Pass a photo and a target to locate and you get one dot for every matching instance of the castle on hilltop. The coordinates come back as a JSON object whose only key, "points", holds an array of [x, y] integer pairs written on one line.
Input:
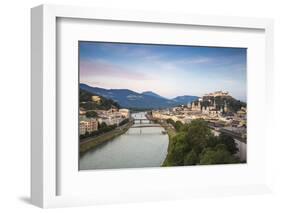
{"points": [[217, 93], [208, 105]]}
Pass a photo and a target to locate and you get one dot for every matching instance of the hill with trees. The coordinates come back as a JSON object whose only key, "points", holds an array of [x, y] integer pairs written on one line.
{"points": [[195, 144], [85, 101]]}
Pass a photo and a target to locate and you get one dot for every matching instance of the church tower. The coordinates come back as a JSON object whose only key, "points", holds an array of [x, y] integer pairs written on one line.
{"points": [[193, 106], [225, 106], [199, 106]]}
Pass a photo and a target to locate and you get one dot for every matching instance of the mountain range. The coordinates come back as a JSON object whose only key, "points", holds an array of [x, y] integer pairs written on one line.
{"points": [[146, 100]]}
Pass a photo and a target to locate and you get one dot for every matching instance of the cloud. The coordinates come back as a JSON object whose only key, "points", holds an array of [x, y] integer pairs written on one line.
{"points": [[195, 60], [99, 67], [168, 71]]}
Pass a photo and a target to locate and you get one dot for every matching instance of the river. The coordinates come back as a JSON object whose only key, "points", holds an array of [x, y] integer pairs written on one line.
{"points": [[137, 148]]}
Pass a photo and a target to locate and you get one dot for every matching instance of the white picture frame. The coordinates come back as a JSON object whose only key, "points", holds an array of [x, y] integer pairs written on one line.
{"points": [[44, 148]]}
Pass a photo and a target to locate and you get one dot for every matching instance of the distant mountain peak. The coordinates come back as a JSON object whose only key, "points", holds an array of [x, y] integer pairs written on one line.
{"points": [[131, 99], [185, 98], [153, 94]]}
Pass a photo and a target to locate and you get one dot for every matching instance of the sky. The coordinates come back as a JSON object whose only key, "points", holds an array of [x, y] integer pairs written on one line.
{"points": [[168, 70]]}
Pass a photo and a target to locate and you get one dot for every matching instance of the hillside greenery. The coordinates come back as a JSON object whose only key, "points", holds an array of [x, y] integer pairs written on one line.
{"points": [[85, 101], [195, 144]]}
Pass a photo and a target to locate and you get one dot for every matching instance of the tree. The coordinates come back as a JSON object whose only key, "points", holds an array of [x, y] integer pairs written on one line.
{"points": [[184, 128], [229, 142], [171, 121], [85, 101], [212, 141], [194, 143], [191, 158], [217, 155], [176, 151], [178, 125], [91, 114], [87, 134], [198, 134], [102, 125]]}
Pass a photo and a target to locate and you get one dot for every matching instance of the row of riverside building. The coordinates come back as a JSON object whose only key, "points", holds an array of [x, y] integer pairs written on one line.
{"points": [[109, 117]]}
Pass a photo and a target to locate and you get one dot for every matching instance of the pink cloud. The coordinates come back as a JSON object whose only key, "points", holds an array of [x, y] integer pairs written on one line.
{"points": [[104, 68]]}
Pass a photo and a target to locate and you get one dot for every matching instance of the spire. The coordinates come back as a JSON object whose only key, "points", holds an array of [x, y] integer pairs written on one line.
{"points": [[225, 106]]}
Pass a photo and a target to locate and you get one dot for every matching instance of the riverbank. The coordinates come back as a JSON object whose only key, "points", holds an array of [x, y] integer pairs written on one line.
{"points": [[139, 147], [171, 132], [90, 143]]}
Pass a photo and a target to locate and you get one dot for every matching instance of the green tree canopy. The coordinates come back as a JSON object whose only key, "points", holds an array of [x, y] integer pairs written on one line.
{"points": [[191, 158], [229, 142], [102, 125], [171, 121], [198, 134], [91, 114], [195, 144], [217, 155], [176, 152], [178, 125]]}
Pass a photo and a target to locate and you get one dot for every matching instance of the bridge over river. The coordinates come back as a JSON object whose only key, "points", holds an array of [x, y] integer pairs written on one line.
{"points": [[139, 123], [143, 145], [146, 123]]}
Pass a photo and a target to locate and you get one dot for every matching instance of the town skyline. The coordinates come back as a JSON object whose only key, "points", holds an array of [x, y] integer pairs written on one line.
{"points": [[167, 70]]}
